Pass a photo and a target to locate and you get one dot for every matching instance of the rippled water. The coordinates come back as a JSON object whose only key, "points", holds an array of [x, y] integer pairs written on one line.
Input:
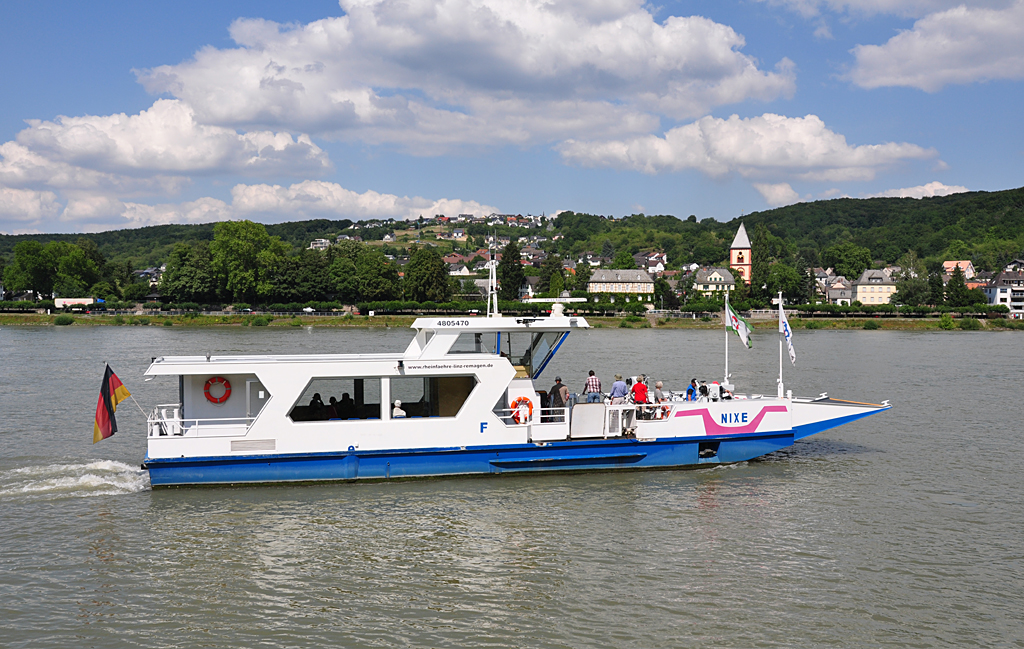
{"points": [[900, 530]]}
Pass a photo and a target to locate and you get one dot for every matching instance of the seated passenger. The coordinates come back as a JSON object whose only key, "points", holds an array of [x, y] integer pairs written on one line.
{"points": [[316, 401], [332, 410], [346, 407], [703, 391], [397, 412]]}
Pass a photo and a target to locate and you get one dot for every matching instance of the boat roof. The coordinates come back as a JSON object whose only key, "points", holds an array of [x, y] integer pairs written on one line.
{"points": [[445, 330]]}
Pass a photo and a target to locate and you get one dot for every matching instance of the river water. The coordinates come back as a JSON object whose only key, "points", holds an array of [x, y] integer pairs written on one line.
{"points": [[902, 530]]}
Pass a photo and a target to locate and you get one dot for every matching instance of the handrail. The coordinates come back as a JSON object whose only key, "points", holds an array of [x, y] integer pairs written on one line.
{"points": [[161, 423]]}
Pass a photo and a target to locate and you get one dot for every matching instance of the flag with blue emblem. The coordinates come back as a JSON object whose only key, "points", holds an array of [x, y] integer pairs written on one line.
{"points": [[785, 330]]}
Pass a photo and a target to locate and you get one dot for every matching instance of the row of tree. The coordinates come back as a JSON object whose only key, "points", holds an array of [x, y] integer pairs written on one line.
{"points": [[69, 270]]}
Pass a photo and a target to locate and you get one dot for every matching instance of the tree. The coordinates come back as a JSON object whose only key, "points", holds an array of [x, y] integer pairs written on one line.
{"points": [[426, 277], [786, 279], [378, 276], [607, 249], [848, 259], [956, 289], [510, 273], [936, 290], [30, 270], [623, 260], [245, 256], [911, 267], [551, 268], [343, 279], [911, 291], [664, 296], [189, 276]]}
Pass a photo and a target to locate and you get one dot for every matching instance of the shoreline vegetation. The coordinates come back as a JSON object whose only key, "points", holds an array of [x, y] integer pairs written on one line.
{"points": [[891, 323]]}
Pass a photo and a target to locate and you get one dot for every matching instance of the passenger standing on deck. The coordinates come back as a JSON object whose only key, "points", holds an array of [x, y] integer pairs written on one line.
{"points": [[618, 393], [559, 396], [593, 388], [639, 390], [659, 396], [691, 390]]}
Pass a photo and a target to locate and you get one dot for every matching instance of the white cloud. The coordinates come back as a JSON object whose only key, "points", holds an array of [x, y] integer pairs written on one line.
{"points": [[866, 8], [261, 202], [931, 189], [166, 138], [21, 205], [769, 145], [778, 194], [317, 199], [426, 74], [957, 46]]}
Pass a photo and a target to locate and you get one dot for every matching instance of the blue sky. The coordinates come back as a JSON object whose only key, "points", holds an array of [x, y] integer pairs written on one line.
{"points": [[119, 114]]}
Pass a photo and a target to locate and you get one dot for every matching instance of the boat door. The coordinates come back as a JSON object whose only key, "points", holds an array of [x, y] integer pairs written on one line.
{"points": [[256, 396]]}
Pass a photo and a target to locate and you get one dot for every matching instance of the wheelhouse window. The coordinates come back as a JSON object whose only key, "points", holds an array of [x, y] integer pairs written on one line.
{"points": [[432, 396], [525, 349], [337, 399]]}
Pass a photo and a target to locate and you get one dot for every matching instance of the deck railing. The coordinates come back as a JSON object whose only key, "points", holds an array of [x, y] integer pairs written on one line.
{"points": [[166, 421]]}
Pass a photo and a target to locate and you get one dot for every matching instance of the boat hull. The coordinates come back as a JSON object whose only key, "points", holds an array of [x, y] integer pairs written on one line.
{"points": [[596, 455]]}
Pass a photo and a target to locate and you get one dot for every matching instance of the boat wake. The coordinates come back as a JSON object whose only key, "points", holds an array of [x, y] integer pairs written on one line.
{"points": [[72, 480]]}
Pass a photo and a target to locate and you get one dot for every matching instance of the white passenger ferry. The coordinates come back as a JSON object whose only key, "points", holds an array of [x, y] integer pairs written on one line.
{"points": [[469, 404]]}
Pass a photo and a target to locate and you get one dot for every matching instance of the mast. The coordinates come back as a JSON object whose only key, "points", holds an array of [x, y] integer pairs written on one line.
{"points": [[781, 336], [725, 321], [492, 284]]}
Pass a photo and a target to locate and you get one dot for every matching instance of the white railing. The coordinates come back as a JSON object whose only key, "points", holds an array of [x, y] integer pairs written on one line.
{"points": [[509, 416], [166, 421]]}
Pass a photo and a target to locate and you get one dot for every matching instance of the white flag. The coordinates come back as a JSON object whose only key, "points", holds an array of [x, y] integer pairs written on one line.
{"points": [[787, 332], [738, 324]]}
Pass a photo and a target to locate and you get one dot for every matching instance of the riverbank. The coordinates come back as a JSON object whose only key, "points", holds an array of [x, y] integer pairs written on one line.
{"points": [[404, 321]]}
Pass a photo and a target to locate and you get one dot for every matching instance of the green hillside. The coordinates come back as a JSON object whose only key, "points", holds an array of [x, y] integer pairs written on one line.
{"points": [[151, 246], [986, 227]]}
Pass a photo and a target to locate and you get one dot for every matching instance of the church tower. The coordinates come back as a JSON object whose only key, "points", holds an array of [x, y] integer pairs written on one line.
{"points": [[739, 254]]}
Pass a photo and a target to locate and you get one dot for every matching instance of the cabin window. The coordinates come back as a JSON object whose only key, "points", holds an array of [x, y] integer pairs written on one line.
{"points": [[475, 343], [432, 396], [338, 398]]}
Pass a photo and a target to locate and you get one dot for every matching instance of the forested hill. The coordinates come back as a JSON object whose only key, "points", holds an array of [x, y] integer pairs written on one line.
{"points": [[987, 227], [152, 245]]}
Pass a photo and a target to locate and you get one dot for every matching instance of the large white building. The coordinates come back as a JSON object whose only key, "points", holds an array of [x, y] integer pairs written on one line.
{"points": [[873, 287], [620, 281]]}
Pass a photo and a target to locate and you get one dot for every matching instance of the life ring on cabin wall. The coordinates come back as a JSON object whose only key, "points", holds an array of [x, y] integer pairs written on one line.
{"points": [[213, 380], [517, 413]]}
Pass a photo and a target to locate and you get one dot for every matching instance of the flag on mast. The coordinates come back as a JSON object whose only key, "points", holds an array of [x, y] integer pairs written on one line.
{"points": [[785, 330], [112, 392], [735, 322]]}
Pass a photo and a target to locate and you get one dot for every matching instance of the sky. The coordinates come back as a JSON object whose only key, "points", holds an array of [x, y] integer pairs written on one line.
{"points": [[127, 114]]}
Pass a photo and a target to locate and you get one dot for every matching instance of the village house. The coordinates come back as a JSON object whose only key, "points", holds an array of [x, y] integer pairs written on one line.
{"points": [[966, 267], [620, 281], [459, 270], [1007, 288], [713, 281], [319, 244], [873, 287]]}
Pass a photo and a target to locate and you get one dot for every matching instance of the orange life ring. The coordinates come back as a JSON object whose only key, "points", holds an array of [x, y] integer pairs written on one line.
{"points": [[517, 413], [213, 380]]}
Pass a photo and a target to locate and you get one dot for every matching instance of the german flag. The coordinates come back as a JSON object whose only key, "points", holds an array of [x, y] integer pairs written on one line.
{"points": [[112, 392]]}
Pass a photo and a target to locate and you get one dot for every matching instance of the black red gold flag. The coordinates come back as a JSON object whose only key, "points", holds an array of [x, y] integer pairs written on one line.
{"points": [[112, 392]]}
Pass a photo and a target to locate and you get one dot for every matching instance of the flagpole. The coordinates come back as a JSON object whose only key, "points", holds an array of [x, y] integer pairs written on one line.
{"points": [[781, 335], [725, 321]]}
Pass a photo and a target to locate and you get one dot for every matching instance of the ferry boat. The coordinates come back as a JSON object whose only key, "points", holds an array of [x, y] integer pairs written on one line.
{"points": [[462, 399]]}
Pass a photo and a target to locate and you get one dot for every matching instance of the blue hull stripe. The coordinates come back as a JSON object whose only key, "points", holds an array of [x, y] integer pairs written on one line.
{"points": [[421, 463]]}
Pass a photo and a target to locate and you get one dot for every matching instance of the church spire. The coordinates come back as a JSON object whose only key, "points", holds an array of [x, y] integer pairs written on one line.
{"points": [[742, 241]]}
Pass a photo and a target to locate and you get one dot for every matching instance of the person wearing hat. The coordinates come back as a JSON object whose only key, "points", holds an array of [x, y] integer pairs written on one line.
{"points": [[397, 413], [619, 391], [558, 395]]}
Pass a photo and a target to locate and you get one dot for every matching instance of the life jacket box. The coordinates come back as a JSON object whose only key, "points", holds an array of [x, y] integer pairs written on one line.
{"points": [[587, 421]]}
